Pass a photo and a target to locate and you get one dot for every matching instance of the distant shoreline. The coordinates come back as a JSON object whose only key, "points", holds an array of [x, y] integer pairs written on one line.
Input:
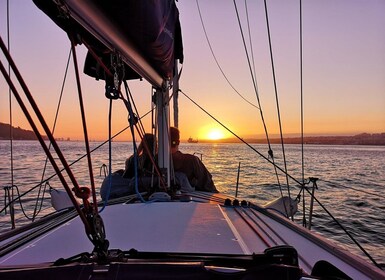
{"points": [[375, 139]]}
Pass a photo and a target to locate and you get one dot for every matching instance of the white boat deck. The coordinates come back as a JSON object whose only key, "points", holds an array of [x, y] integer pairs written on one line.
{"points": [[186, 227]]}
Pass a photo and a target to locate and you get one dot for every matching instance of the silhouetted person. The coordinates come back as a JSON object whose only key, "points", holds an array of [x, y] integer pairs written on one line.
{"points": [[145, 158], [197, 174]]}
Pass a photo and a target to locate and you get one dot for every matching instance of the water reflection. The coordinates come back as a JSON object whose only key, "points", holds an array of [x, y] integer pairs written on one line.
{"points": [[345, 172]]}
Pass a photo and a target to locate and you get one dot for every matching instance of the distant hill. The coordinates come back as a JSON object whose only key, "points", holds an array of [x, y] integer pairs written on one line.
{"points": [[377, 139], [359, 139], [17, 133]]}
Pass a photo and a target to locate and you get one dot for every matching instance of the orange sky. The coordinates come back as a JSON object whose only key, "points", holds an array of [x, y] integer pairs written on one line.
{"points": [[344, 71]]}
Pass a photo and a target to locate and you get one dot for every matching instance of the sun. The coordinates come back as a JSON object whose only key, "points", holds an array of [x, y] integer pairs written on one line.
{"points": [[215, 134]]}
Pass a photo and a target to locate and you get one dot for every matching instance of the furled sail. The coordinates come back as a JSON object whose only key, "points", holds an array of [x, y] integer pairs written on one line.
{"points": [[146, 34]]}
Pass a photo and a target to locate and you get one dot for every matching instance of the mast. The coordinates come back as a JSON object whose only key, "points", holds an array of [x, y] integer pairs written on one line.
{"points": [[163, 112], [175, 93]]}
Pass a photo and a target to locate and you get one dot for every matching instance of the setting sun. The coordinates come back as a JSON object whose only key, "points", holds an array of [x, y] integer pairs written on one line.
{"points": [[215, 134], [212, 132]]}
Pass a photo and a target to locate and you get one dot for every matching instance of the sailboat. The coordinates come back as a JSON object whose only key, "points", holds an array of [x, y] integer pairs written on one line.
{"points": [[161, 233]]}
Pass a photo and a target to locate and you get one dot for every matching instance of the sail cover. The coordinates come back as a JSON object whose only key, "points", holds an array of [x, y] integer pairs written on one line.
{"points": [[146, 34]]}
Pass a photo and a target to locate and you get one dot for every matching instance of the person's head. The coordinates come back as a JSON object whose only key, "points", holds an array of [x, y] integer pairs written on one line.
{"points": [[148, 140], [175, 137]]}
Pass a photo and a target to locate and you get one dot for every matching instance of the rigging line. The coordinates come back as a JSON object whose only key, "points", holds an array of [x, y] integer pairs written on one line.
{"points": [[76, 161], [250, 41], [258, 100], [240, 139], [10, 110], [276, 96], [271, 162], [109, 158], [142, 133], [341, 226], [345, 230], [251, 72], [53, 131], [85, 131], [301, 78], [302, 116], [132, 125], [37, 132], [130, 97], [216, 60]]}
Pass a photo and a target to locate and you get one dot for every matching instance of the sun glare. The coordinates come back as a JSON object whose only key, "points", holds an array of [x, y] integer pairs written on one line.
{"points": [[215, 134]]}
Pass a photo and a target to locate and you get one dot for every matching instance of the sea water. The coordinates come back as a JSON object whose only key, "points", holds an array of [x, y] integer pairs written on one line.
{"points": [[350, 186]]}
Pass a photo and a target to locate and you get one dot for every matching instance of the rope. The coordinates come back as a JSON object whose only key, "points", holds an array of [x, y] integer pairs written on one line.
{"points": [[43, 124], [85, 131], [216, 60]]}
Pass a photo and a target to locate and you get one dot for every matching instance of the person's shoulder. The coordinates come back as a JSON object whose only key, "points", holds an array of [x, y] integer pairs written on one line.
{"points": [[184, 156]]}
